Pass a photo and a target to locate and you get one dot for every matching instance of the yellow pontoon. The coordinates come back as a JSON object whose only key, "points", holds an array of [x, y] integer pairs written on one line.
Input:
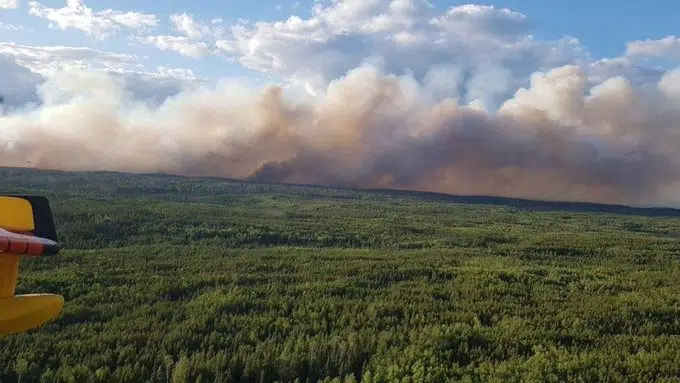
{"points": [[26, 229]]}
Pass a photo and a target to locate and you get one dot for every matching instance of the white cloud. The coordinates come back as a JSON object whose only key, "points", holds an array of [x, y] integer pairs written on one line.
{"points": [[482, 53], [492, 47], [9, 4], [24, 67], [485, 52], [180, 44], [186, 24], [193, 42], [77, 15], [473, 21], [668, 47], [49, 60], [626, 67], [180, 73], [14, 27]]}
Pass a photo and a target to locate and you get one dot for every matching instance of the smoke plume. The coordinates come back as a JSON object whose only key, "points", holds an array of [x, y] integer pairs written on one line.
{"points": [[558, 139]]}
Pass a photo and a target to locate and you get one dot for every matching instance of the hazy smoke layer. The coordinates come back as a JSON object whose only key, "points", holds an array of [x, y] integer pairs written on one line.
{"points": [[556, 140]]}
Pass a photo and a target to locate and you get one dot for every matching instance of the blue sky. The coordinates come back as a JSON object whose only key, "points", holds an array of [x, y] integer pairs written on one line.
{"points": [[230, 11], [604, 25], [282, 52]]}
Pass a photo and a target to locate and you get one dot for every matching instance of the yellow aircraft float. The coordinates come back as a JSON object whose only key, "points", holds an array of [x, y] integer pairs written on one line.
{"points": [[26, 229]]}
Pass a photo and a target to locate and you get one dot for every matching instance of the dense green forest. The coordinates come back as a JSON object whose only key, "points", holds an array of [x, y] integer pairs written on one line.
{"points": [[171, 279]]}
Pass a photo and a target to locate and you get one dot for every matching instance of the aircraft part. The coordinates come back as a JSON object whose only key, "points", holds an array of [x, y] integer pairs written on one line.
{"points": [[26, 229]]}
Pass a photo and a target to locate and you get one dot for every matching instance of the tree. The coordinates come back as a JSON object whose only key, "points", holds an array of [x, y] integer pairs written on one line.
{"points": [[180, 374], [20, 367], [167, 360]]}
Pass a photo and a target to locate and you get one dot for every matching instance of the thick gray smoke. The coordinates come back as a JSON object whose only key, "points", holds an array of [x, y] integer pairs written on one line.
{"points": [[558, 139]]}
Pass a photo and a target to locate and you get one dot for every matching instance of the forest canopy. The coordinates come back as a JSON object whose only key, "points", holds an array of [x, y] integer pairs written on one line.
{"points": [[179, 279]]}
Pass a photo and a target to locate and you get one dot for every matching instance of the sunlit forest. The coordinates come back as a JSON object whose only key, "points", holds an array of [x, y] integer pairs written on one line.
{"points": [[171, 279]]}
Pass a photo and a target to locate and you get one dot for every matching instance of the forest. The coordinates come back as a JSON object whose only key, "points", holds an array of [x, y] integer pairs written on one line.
{"points": [[176, 279]]}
